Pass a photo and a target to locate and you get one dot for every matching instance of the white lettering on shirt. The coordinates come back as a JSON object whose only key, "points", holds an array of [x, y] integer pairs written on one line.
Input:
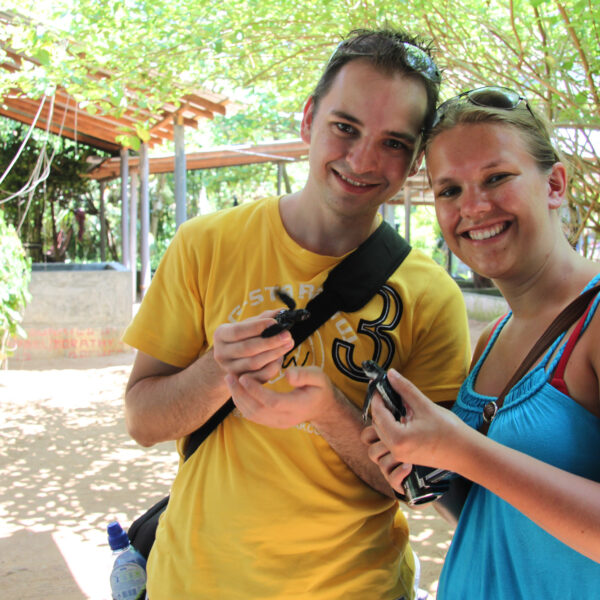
{"points": [[345, 329]]}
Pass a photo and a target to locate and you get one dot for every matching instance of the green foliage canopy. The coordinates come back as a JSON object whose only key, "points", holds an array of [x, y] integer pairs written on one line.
{"points": [[272, 50], [547, 47]]}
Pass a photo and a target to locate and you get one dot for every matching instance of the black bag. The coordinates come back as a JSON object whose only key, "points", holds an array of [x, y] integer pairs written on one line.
{"points": [[143, 530], [450, 505], [348, 287]]}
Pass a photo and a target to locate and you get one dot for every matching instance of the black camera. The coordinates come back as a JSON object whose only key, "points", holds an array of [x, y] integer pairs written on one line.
{"points": [[423, 484]]}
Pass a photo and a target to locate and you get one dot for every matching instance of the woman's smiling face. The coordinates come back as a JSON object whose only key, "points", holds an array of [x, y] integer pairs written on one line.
{"points": [[491, 198]]}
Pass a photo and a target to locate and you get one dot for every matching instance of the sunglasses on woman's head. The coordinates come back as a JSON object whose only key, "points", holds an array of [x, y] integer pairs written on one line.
{"points": [[488, 97]]}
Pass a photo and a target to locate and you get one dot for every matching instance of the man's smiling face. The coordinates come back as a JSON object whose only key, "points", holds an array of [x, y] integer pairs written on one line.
{"points": [[363, 138]]}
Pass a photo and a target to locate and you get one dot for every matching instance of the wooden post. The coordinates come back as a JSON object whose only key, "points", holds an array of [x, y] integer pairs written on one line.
{"points": [[102, 222], [144, 219], [286, 179], [407, 207], [279, 178], [133, 234], [125, 245], [180, 171]]}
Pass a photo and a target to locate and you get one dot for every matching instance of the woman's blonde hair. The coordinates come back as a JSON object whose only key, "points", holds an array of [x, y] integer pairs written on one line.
{"points": [[534, 128]]}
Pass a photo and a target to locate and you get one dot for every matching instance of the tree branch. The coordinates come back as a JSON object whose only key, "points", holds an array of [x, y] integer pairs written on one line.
{"points": [[516, 33], [582, 55]]}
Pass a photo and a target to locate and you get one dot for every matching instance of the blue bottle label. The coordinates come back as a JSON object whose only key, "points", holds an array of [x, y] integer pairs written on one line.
{"points": [[128, 581]]}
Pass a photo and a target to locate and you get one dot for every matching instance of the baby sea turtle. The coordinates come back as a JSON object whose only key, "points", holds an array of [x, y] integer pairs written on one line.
{"points": [[379, 381], [286, 318]]}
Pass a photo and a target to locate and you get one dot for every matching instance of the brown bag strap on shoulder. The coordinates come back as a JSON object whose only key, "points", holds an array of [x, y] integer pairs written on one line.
{"points": [[563, 321], [450, 505]]}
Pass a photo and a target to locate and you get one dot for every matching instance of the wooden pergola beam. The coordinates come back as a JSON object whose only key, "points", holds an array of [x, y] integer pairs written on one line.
{"points": [[93, 141], [212, 158]]}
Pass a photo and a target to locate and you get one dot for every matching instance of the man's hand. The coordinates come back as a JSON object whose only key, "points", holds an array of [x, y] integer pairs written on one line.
{"points": [[313, 399], [164, 402], [239, 347], [311, 392]]}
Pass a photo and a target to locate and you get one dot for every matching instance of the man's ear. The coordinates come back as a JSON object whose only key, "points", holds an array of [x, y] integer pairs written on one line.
{"points": [[414, 168], [307, 119], [557, 185]]}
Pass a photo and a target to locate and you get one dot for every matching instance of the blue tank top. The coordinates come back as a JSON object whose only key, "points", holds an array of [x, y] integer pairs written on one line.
{"points": [[497, 553]]}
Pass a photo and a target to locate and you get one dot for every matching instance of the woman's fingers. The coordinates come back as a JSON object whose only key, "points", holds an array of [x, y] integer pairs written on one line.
{"points": [[393, 470]]}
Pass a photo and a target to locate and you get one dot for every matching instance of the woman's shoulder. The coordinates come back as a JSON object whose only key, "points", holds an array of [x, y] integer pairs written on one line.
{"points": [[484, 338]]}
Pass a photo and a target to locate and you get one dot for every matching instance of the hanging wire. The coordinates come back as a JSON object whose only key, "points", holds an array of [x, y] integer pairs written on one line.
{"points": [[24, 143], [37, 175], [43, 159], [33, 179]]}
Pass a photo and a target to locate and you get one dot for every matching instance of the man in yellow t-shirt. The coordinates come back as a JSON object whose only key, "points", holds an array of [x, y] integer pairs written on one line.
{"points": [[281, 500]]}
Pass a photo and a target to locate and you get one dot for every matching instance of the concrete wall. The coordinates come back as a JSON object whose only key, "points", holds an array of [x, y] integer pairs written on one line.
{"points": [[484, 307], [81, 310], [75, 311]]}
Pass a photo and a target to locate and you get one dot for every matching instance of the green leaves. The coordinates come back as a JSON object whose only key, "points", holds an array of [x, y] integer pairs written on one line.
{"points": [[43, 56], [128, 140], [15, 273], [271, 53]]}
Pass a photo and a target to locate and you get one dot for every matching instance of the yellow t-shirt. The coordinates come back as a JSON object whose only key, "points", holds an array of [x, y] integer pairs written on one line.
{"points": [[261, 513]]}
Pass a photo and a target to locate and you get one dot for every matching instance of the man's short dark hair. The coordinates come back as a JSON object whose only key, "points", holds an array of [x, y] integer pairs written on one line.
{"points": [[387, 50]]}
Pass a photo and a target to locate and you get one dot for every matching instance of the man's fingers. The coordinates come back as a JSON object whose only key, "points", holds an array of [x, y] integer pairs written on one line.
{"points": [[269, 361], [230, 333], [252, 354], [306, 377], [369, 435]]}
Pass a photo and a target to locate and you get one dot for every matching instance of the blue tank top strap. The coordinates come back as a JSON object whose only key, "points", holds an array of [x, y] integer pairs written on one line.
{"points": [[499, 325], [550, 352], [590, 285]]}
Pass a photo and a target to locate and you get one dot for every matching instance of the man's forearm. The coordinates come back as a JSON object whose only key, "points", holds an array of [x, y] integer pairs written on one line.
{"points": [[341, 428], [174, 403]]}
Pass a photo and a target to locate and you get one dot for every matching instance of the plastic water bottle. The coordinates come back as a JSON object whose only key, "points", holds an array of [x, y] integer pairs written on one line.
{"points": [[128, 576]]}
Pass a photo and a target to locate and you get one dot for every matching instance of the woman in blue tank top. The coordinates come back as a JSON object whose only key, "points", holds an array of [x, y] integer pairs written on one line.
{"points": [[530, 527]]}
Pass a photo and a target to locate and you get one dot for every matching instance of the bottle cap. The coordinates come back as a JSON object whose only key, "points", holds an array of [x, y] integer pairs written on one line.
{"points": [[117, 538]]}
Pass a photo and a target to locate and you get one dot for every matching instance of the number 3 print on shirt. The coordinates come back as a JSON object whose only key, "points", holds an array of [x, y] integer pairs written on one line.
{"points": [[378, 331]]}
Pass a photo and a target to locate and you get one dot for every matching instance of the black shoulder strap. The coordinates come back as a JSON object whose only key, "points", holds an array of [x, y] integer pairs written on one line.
{"points": [[354, 281], [348, 287]]}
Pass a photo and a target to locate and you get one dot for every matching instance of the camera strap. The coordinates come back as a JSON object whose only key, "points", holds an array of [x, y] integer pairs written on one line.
{"points": [[348, 287], [563, 321]]}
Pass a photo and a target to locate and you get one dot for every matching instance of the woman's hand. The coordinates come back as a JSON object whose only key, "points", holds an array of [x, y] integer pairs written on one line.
{"points": [[426, 436], [394, 471]]}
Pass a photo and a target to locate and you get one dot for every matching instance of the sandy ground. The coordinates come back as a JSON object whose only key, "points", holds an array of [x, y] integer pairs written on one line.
{"points": [[68, 467]]}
